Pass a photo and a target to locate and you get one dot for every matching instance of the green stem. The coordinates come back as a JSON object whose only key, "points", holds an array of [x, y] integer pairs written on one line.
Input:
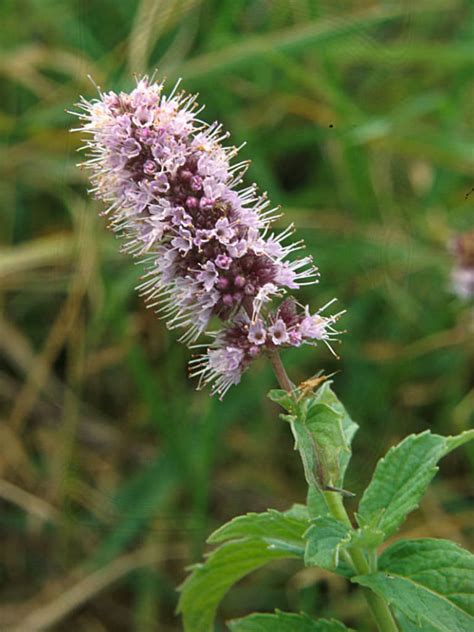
{"points": [[379, 608]]}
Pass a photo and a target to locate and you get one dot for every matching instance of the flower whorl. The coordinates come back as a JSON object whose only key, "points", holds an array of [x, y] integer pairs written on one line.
{"points": [[176, 199], [237, 345]]}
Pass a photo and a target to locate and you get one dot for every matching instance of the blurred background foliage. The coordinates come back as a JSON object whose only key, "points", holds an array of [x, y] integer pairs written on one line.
{"points": [[358, 117]]}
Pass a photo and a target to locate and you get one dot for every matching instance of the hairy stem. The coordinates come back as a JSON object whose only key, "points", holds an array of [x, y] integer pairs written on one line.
{"points": [[280, 371], [378, 606]]}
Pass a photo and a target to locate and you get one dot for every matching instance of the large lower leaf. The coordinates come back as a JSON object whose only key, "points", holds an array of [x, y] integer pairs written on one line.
{"points": [[407, 625], [401, 478], [275, 527], [430, 581], [205, 587], [285, 622]]}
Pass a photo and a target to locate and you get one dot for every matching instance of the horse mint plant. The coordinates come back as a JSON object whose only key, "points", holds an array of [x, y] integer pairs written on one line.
{"points": [[174, 195]]}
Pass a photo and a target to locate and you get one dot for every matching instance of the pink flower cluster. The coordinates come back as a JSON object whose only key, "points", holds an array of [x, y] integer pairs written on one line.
{"points": [[173, 194], [238, 344]]}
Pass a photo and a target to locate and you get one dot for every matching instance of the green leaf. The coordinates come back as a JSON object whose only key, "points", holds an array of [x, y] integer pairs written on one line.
{"points": [[401, 478], [323, 541], [406, 625], [327, 538], [285, 622], [304, 443], [430, 581], [349, 428], [323, 433], [208, 583], [272, 526], [316, 503], [366, 538], [284, 399], [325, 418], [458, 440]]}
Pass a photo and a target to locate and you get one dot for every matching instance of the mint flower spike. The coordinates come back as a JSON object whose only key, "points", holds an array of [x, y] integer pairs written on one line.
{"points": [[176, 199], [236, 346]]}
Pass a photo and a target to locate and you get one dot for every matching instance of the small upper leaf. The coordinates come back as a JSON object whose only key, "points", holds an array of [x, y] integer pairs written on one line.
{"points": [[284, 399], [349, 427], [401, 478], [366, 538], [331, 433], [430, 581], [327, 538], [323, 433], [323, 541], [202, 591], [285, 622], [316, 503]]}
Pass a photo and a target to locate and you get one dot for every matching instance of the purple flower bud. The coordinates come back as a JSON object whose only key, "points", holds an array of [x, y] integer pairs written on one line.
{"points": [[192, 202], [206, 203], [196, 183], [223, 261], [222, 283], [149, 167], [144, 134], [287, 311]]}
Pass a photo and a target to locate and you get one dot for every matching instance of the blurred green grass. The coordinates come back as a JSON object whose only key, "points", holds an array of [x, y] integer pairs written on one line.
{"points": [[358, 118]]}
